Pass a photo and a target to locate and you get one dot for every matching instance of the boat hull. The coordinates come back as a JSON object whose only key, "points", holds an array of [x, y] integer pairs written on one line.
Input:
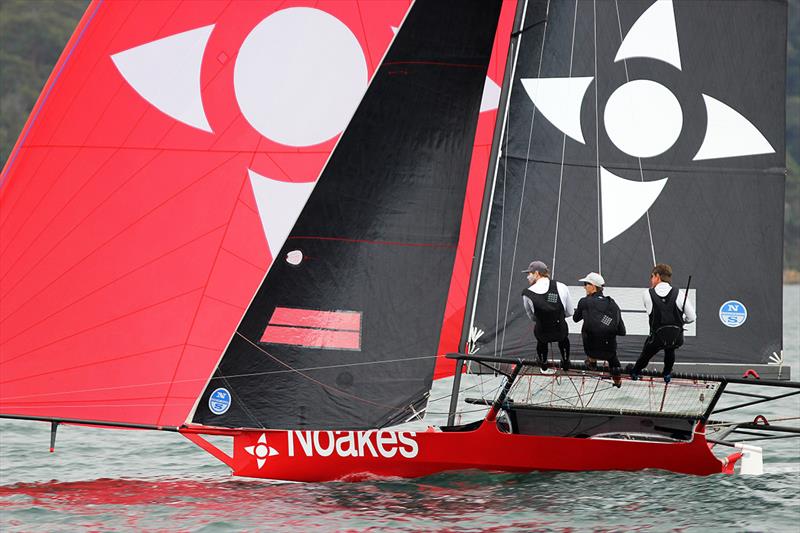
{"points": [[354, 455]]}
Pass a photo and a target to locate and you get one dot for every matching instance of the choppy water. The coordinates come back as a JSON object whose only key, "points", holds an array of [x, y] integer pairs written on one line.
{"points": [[131, 480]]}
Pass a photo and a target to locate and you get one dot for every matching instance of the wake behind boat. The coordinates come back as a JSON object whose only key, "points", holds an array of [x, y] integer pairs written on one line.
{"points": [[328, 373]]}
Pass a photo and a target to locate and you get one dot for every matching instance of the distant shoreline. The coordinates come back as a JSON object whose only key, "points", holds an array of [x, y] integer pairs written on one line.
{"points": [[791, 277]]}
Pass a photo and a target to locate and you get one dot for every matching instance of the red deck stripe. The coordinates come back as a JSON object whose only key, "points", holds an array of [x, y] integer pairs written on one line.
{"points": [[310, 318], [312, 338]]}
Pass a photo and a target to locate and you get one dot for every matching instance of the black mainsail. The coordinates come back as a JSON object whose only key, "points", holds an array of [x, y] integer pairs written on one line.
{"points": [[343, 332], [641, 132]]}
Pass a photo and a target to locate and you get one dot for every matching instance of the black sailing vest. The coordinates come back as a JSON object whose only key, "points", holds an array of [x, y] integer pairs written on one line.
{"points": [[666, 320], [601, 323], [551, 325]]}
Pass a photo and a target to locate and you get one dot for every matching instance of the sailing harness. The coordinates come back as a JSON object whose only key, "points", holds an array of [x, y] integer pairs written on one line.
{"points": [[551, 325], [666, 320], [602, 323]]}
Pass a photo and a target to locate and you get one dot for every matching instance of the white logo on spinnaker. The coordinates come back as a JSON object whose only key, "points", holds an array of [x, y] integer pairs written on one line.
{"points": [[261, 450]]}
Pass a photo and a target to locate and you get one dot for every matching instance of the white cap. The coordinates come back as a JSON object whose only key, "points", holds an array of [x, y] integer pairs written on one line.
{"points": [[594, 278]]}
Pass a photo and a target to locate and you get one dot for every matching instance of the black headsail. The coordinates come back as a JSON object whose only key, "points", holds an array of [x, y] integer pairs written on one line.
{"points": [[584, 183], [343, 332]]}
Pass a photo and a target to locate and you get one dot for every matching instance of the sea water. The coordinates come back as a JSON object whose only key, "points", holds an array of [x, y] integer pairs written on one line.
{"points": [[105, 480]]}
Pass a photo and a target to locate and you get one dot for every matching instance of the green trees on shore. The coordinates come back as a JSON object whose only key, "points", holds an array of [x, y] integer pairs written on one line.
{"points": [[34, 32]]}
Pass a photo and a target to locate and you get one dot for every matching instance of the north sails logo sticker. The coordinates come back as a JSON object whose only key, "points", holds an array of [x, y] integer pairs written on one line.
{"points": [[733, 313], [261, 450], [220, 401]]}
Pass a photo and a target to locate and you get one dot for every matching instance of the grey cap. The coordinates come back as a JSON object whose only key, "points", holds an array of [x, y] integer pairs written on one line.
{"points": [[536, 266]]}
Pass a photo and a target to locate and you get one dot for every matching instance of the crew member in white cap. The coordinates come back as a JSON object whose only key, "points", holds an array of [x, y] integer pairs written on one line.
{"points": [[547, 304], [602, 322]]}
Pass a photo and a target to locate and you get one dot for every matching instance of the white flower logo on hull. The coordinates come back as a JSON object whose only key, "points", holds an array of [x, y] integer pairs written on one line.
{"points": [[261, 450]]}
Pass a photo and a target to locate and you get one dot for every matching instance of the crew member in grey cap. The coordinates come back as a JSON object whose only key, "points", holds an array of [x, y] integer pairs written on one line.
{"points": [[547, 304]]}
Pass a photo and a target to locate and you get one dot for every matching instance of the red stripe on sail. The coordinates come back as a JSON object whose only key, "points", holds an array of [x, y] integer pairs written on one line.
{"points": [[312, 338], [309, 318]]}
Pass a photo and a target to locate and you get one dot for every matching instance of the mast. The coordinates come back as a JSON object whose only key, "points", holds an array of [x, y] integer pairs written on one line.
{"points": [[491, 175]]}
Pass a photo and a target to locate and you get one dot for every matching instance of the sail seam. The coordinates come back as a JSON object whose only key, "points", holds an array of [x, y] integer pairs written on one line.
{"points": [[44, 196], [113, 281], [190, 330], [156, 304], [364, 33], [366, 241], [39, 108], [93, 363], [113, 237], [778, 173], [436, 63]]}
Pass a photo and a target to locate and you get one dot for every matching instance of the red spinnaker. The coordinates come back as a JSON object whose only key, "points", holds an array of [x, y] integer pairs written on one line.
{"points": [[130, 236]]}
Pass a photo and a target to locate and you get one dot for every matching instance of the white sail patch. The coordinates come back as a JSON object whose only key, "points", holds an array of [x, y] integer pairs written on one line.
{"points": [[631, 304], [166, 73], [729, 134], [299, 76], [643, 118], [625, 201], [559, 100], [491, 95], [654, 35], [279, 205]]}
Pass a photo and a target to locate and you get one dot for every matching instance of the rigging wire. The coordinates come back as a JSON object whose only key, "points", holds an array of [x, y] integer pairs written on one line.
{"points": [[639, 159], [497, 167], [316, 381], [231, 376], [597, 143], [524, 184], [563, 147]]}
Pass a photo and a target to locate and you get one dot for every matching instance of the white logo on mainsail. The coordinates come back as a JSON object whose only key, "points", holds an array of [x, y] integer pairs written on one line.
{"points": [[643, 118], [261, 450]]}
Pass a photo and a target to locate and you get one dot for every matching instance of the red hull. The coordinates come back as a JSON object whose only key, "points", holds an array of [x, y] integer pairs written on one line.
{"points": [[353, 455]]}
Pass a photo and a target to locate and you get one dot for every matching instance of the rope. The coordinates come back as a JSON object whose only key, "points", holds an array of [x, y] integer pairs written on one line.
{"points": [[232, 376], [522, 192], [597, 143], [641, 172], [563, 146]]}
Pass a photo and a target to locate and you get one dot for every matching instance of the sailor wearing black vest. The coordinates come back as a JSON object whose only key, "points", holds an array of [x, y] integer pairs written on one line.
{"points": [[547, 304], [665, 305], [602, 322]]}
